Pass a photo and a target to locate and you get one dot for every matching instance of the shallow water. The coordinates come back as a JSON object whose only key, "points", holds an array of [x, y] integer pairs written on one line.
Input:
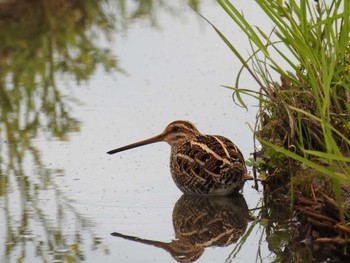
{"points": [[61, 195]]}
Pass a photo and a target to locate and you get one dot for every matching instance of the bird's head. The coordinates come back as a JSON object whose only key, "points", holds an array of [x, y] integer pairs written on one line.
{"points": [[179, 132], [176, 134]]}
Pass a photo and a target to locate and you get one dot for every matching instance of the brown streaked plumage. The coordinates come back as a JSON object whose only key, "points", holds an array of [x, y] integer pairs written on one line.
{"points": [[200, 164]]}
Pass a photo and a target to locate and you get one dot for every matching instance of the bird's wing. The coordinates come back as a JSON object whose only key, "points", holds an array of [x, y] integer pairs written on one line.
{"points": [[208, 157], [231, 148]]}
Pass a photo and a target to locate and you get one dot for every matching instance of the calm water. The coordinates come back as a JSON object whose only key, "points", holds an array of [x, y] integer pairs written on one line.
{"points": [[77, 81]]}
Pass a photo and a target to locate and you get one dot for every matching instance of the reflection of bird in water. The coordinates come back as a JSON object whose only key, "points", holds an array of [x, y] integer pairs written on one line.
{"points": [[201, 222], [200, 164]]}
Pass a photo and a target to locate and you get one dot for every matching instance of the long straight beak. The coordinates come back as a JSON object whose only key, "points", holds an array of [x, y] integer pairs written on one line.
{"points": [[154, 139]]}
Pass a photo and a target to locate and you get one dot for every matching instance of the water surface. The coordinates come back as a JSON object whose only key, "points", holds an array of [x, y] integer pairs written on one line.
{"points": [[106, 75]]}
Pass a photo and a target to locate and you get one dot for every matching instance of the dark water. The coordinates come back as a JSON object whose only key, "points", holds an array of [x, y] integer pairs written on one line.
{"points": [[81, 78]]}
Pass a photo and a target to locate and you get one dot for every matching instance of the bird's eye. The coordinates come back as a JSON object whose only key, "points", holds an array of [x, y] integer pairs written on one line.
{"points": [[175, 129]]}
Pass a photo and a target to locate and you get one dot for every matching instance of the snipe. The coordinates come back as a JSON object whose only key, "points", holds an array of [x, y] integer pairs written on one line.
{"points": [[200, 164]]}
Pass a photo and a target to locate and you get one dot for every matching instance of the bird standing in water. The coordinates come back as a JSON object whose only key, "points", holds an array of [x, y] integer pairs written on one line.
{"points": [[200, 164]]}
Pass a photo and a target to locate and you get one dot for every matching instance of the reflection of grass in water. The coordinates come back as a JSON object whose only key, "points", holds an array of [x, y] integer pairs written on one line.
{"points": [[242, 241], [39, 41], [275, 226], [148, 10], [53, 227]]}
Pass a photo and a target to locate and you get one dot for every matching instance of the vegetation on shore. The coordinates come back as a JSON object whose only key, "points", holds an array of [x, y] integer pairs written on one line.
{"points": [[303, 121]]}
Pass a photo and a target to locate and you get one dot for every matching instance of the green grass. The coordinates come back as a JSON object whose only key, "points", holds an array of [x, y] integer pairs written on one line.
{"points": [[303, 121], [306, 114], [303, 118]]}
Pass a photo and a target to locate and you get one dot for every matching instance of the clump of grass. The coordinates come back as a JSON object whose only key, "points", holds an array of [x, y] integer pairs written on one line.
{"points": [[305, 115], [303, 121]]}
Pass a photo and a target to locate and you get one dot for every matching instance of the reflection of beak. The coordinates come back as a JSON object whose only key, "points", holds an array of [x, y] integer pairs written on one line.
{"points": [[140, 240], [248, 177], [181, 251], [154, 139]]}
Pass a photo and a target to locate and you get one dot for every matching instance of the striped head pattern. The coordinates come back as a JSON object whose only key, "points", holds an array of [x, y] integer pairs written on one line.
{"points": [[179, 132]]}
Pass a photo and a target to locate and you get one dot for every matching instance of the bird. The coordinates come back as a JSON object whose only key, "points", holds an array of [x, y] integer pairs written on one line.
{"points": [[200, 222], [200, 164]]}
